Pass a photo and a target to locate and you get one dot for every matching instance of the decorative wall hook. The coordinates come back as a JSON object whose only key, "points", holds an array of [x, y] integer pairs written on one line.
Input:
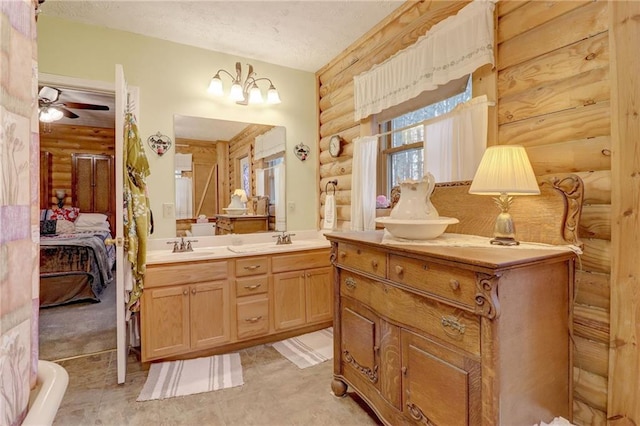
{"points": [[302, 151], [159, 143]]}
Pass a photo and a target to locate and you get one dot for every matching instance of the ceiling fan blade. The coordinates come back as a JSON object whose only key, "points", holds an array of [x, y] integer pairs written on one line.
{"points": [[78, 105], [67, 113]]}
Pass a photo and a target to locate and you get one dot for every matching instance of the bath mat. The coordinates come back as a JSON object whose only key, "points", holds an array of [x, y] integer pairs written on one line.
{"points": [[308, 349], [179, 378]]}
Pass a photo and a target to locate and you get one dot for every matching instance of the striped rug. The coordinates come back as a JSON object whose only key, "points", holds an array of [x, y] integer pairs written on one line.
{"points": [[308, 349], [179, 378]]}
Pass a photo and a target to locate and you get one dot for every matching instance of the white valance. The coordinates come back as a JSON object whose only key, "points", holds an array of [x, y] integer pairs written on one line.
{"points": [[270, 143], [454, 47]]}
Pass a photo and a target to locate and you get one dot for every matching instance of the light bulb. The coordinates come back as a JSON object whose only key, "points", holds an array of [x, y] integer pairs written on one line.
{"points": [[236, 94], [255, 96], [272, 95], [215, 87]]}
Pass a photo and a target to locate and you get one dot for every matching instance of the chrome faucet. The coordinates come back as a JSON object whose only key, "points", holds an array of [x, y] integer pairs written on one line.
{"points": [[182, 245], [284, 238]]}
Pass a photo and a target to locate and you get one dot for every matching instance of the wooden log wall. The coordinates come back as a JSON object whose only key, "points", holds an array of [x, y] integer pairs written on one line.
{"points": [[62, 140], [240, 145], [552, 89]]}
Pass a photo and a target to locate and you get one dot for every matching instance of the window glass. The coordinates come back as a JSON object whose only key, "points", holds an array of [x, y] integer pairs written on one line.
{"points": [[401, 151]]}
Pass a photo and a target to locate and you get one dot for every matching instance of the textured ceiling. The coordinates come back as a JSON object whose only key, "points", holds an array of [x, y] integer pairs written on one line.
{"points": [[303, 35]]}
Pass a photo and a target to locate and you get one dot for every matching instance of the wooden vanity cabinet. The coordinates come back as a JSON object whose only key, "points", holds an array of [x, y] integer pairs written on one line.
{"points": [[453, 335], [178, 318], [302, 289], [252, 296]]}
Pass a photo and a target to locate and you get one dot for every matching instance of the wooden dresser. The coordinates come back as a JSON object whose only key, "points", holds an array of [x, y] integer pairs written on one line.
{"points": [[451, 335], [442, 335], [244, 224]]}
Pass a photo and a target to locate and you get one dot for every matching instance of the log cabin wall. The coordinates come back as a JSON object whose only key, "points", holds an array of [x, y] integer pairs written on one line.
{"points": [[239, 146], [553, 95], [63, 140]]}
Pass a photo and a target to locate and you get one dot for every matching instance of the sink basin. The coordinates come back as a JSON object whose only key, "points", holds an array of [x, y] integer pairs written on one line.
{"points": [[273, 247], [159, 256]]}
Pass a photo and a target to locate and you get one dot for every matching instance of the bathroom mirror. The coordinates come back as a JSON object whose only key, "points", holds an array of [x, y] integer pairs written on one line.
{"points": [[214, 157]]}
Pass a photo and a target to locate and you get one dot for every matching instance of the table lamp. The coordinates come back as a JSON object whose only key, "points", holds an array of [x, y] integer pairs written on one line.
{"points": [[504, 171]]}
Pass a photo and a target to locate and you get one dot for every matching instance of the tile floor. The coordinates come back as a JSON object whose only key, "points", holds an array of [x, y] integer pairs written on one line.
{"points": [[275, 393]]}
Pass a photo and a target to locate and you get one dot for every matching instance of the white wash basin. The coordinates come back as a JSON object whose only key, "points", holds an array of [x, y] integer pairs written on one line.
{"points": [[198, 253], [276, 248]]}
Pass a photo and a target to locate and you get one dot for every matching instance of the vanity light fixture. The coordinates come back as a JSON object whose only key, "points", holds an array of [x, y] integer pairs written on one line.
{"points": [[244, 92], [504, 171]]}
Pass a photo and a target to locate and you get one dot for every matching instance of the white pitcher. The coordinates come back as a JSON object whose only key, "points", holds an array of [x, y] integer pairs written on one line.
{"points": [[415, 200]]}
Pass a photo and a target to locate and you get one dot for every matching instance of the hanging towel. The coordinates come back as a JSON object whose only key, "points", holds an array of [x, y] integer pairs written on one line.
{"points": [[330, 213]]}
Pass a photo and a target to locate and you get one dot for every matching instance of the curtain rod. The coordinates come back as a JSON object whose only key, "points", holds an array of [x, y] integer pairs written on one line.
{"points": [[422, 123]]}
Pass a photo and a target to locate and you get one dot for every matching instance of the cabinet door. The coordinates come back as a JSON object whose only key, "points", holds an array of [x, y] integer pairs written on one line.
{"points": [[82, 175], [359, 343], [441, 386], [210, 323], [165, 322], [289, 300], [319, 294], [102, 183]]}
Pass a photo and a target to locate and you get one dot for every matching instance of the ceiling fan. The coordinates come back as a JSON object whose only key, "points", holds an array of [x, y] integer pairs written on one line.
{"points": [[51, 109]]}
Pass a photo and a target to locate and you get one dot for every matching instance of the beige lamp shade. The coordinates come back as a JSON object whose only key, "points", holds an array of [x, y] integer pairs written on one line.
{"points": [[505, 169]]}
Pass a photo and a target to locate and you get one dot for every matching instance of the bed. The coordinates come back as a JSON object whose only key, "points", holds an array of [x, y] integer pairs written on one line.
{"points": [[75, 263]]}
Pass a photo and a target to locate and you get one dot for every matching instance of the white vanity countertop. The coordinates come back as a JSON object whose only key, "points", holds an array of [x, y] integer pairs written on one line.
{"points": [[159, 251]]}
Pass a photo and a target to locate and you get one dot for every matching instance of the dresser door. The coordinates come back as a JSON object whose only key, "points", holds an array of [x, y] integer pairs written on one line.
{"points": [[359, 343], [441, 386]]}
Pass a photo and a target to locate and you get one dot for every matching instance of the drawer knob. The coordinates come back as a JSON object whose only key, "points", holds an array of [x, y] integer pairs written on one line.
{"points": [[193, 291], [252, 287], [254, 319], [252, 267], [350, 283], [185, 292], [343, 254], [452, 327], [399, 270], [404, 370], [374, 263], [454, 284]]}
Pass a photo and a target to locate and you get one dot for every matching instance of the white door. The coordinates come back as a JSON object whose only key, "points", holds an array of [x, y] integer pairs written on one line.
{"points": [[125, 98]]}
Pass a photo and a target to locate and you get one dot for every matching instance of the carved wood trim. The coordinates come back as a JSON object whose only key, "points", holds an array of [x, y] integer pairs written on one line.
{"points": [[333, 255], [416, 414], [372, 375], [487, 303], [572, 187]]}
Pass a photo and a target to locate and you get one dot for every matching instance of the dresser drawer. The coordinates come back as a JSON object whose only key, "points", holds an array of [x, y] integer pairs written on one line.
{"points": [[252, 317], [362, 259], [184, 273], [455, 326], [251, 266], [458, 285], [248, 286]]}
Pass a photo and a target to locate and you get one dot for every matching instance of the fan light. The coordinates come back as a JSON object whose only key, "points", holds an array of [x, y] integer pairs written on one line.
{"points": [[50, 114], [246, 92]]}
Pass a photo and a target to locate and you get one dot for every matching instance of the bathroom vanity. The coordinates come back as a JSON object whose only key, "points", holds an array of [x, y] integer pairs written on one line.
{"points": [[200, 303], [241, 224]]}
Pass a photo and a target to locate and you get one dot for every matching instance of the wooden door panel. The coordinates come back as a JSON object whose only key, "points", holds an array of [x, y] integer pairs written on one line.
{"points": [[319, 294], [210, 323], [102, 184], [289, 300], [165, 325], [358, 343]]}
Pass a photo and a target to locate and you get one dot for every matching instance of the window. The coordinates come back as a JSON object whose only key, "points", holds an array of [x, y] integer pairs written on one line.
{"points": [[401, 151]]}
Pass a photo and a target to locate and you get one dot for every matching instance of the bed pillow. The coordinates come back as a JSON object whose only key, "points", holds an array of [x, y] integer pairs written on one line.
{"points": [[65, 227], [90, 220], [66, 213], [48, 227]]}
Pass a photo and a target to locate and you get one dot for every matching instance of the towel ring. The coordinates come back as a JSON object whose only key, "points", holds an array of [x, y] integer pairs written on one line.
{"points": [[333, 183]]}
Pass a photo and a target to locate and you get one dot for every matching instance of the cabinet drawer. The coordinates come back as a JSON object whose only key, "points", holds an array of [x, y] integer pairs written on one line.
{"points": [[253, 317], [297, 261], [458, 285], [455, 326], [184, 273], [247, 286], [251, 266], [363, 259]]}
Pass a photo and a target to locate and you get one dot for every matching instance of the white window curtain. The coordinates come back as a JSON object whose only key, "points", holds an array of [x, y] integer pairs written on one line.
{"points": [[455, 142], [184, 198], [281, 208], [182, 162], [452, 48], [260, 182], [270, 143], [363, 183]]}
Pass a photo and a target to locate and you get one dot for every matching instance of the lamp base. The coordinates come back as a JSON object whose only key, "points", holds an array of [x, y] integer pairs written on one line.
{"points": [[504, 241]]}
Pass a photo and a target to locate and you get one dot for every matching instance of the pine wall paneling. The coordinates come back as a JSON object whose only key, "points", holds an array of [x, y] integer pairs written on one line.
{"points": [[552, 84], [61, 141]]}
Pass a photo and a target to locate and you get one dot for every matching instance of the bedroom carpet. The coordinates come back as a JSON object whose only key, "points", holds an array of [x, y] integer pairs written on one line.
{"points": [[78, 328], [309, 349], [187, 377]]}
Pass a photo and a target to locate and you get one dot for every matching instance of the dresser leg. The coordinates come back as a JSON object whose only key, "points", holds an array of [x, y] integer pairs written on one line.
{"points": [[338, 387]]}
